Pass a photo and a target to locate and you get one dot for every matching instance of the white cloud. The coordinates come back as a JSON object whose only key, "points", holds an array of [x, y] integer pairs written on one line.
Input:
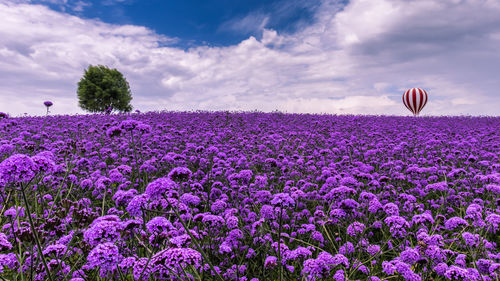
{"points": [[355, 58], [251, 23], [63, 5]]}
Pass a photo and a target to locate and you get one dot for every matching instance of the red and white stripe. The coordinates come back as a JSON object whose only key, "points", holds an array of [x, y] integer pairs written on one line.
{"points": [[415, 99]]}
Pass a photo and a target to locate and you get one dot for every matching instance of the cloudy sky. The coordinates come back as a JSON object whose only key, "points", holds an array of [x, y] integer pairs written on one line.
{"points": [[322, 56]]}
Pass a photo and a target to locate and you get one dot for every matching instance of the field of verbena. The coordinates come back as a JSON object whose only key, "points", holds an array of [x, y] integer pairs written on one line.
{"points": [[249, 196]]}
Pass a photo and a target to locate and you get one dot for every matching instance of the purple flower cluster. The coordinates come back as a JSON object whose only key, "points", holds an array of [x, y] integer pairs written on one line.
{"points": [[249, 197], [321, 267]]}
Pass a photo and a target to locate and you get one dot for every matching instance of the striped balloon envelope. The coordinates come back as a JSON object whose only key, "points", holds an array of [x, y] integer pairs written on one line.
{"points": [[415, 99]]}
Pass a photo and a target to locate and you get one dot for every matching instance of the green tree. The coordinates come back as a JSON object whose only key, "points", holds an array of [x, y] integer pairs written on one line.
{"points": [[102, 89]]}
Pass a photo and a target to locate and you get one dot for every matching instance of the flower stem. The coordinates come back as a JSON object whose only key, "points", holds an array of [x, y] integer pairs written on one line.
{"points": [[35, 235], [195, 241]]}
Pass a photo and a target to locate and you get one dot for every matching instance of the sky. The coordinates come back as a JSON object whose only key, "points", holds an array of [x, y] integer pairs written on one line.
{"points": [[296, 56]]}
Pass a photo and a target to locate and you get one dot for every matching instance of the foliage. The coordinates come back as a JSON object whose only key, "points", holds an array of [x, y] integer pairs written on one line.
{"points": [[102, 88]]}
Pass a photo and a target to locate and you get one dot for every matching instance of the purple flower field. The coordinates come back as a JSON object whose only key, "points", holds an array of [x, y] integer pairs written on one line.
{"points": [[249, 196]]}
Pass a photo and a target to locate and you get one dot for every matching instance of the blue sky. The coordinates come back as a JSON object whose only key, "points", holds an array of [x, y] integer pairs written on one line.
{"points": [[306, 56], [197, 22]]}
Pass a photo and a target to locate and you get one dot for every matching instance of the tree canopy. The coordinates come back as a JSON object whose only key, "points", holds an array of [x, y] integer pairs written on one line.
{"points": [[102, 89]]}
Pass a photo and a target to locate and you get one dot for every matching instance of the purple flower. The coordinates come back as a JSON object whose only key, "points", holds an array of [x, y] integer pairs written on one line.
{"points": [[423, 219], [234, 235], [299, 253], [232, 222], [305, 228], [4, 242], [283, 200], [57, 250], [181, 241], [102, 184], [364, 269], [47, 103], [162, 187], [347, 248], [143, 128], [190, 199], [214, 221], [114, 131], [225, 248], [473, 274], [127, 263], [103, 229], [472, 240], [373, 249], [484, 265], [44, 162], [493, 220], [338, 213], [8, 260], [6, 148], [391, 209], [435, 253], [316, 235], [455, 222], [128, 125], [267, 212], [142, 267], [404, 269], [339, 275], [180, 174], [338, 259], [174, 260], [410, 256], [18, 168], [263, 196], [123, 197], [236, 180], [374, 205], [271, 261], [66, 238], [349, 204], [348, 181], [136, 205], [493, 188], [14, 212], [320, 267], [441, 268], [474, 211], [245, 176], [218, 206], [86, 183], [460, 260], [158, 225], [355, 228], [397, 226], [495, 268], [54, 265], [106, 256], [456, 273], [439, 186], [251, 253]]}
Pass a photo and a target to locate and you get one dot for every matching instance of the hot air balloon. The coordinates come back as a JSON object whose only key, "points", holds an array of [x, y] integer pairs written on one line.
{"points": [[415, 99]]}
